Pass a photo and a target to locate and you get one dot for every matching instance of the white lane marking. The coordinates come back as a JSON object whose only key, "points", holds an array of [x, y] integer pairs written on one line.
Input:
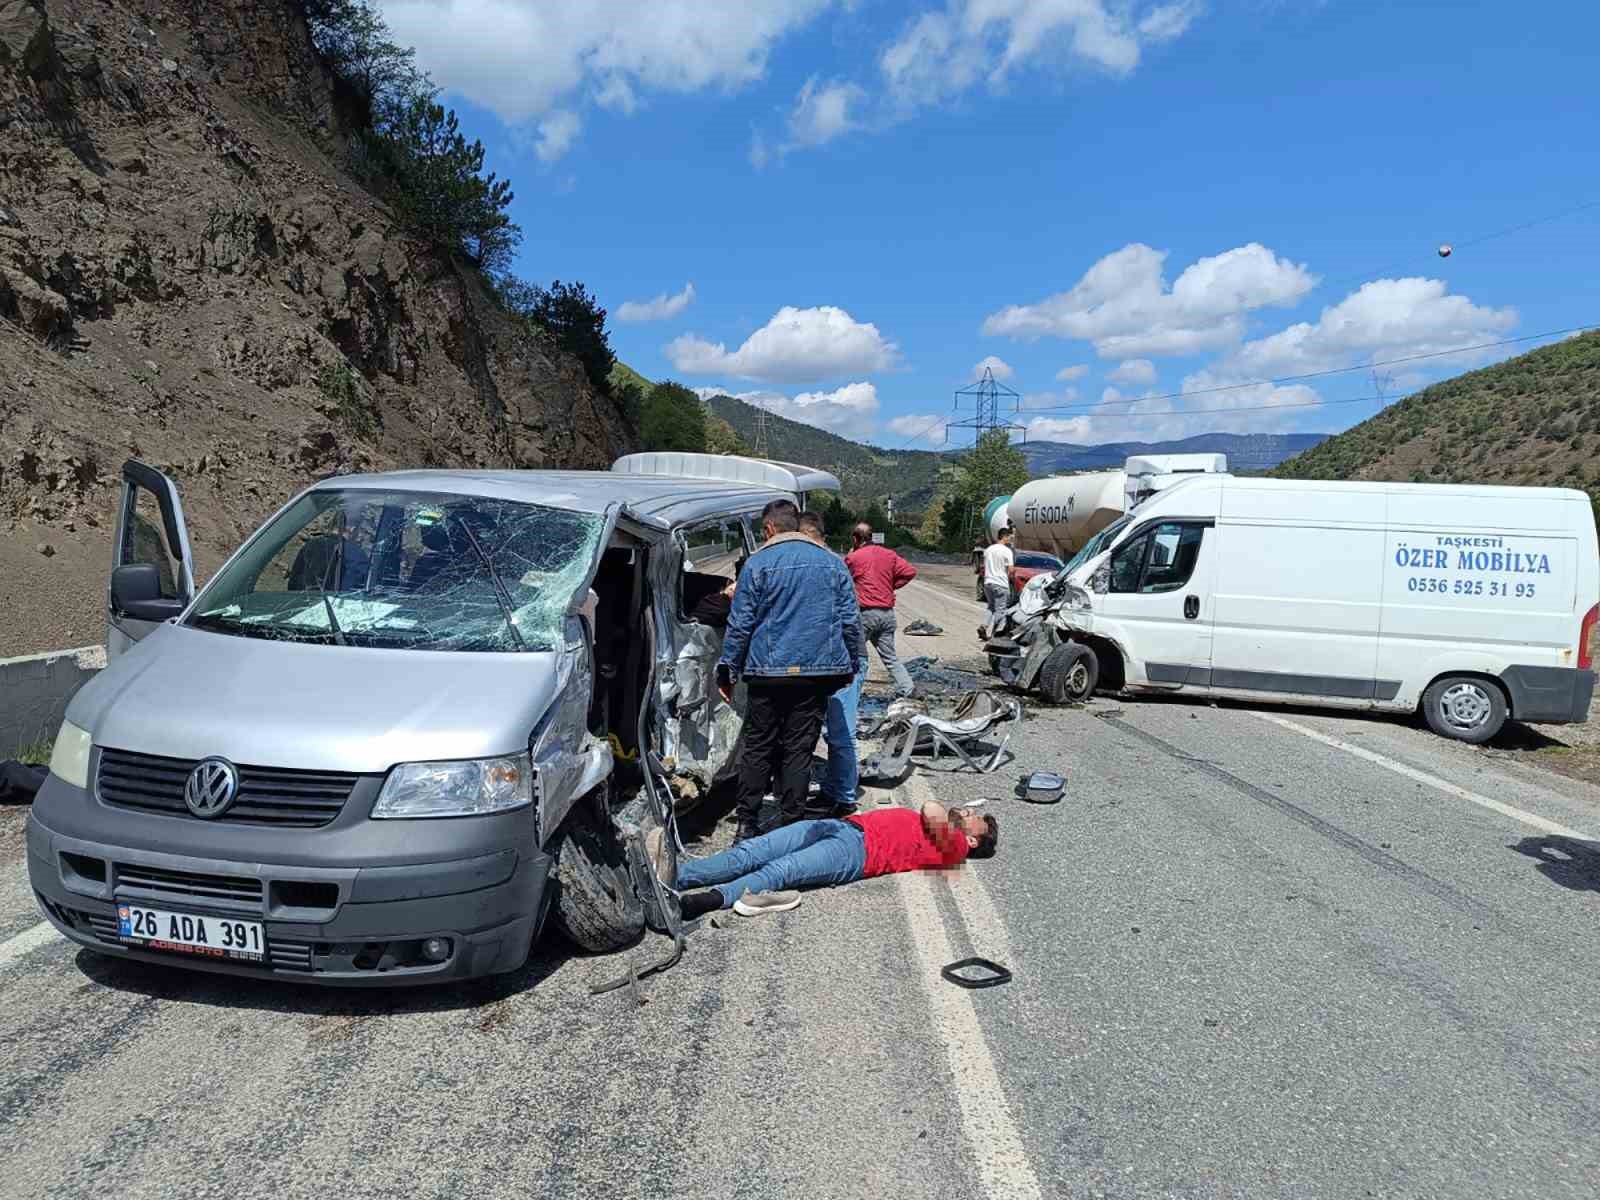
{"points": [[1532, 820], [986, 1119], [25, 942]]}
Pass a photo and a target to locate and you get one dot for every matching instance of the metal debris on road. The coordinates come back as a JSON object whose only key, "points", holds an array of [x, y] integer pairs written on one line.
{"points": [[997, 974]]}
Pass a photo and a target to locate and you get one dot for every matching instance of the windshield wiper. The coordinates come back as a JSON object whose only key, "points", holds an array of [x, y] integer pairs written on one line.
{"points": [[322, 586], [502, 596]]}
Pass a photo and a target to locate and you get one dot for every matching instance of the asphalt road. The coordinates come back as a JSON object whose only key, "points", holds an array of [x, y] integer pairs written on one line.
{"points": [[1256, 954]]}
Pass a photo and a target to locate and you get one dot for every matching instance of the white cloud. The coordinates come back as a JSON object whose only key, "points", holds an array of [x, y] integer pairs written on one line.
{"points": [[1000, 368], [1068, 374], [942, 54], [524, 58], [1134, 371], [557, 132], [926, 427], [1124, 306], [661, 308], [799, 345], [851, 410], [822, 112], [1168, 22], [1385, 318]]}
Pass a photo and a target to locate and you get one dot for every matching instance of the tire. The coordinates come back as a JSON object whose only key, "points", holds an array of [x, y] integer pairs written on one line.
{"points": [[595, 905], [1466, 708], [1070, 674]]}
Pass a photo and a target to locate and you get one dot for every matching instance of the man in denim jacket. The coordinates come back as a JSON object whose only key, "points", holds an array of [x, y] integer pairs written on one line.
{"points": [[793, 639]]}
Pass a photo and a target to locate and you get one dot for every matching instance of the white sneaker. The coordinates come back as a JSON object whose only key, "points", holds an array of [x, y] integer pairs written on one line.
{"points": [[754, 904]]}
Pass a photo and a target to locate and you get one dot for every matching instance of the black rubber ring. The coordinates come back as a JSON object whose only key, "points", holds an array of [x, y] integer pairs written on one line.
{"points": [[1001, 975]]}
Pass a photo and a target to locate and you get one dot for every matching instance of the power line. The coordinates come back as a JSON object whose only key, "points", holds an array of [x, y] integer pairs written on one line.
{"points": [[1471, 241]]}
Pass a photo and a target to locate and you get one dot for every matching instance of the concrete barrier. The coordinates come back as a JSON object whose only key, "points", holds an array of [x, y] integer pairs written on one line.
{"points": [[34, 691]]}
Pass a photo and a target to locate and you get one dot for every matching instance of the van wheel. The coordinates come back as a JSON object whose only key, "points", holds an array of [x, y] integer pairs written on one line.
{"points": [[1069, 675], [595, 903], [1464, 707]]}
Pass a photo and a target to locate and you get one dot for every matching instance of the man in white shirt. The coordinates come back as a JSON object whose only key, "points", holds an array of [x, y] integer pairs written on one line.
{"points": [[997, 562]]}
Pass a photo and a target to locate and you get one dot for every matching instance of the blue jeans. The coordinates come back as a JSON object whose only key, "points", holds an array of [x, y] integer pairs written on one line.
{"points": [[805, 854], [840, 783]]}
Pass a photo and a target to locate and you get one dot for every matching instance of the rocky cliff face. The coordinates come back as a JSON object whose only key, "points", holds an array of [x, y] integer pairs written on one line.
{"points": [[187, 277]]}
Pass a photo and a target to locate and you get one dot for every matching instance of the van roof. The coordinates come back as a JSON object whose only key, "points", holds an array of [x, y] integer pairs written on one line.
{"points": [[665, 501], [1253, 483]]}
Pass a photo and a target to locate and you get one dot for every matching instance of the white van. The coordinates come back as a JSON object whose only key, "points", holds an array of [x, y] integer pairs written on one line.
{"points": [[1473, 603]]}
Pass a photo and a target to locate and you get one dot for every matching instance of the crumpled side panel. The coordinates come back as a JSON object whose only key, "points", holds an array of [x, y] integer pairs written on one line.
{"points": [[699, 730], [570, 760]]}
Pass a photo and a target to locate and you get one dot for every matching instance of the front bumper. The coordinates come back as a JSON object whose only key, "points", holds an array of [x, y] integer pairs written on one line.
{"points": [[361, 925]]}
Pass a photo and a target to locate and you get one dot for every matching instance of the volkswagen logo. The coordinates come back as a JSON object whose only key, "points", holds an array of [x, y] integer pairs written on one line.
{"points": [[211, 788]]}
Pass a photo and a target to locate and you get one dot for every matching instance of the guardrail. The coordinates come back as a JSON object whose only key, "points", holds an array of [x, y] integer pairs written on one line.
{"points": [[35, 689]]}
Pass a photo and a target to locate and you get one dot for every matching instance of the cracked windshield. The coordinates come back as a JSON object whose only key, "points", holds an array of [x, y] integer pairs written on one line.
{"points": [[406, 570]]}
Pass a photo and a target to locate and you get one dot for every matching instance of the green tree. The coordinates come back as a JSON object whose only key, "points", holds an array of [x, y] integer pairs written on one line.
{"points": [[578, 324], [723, 438], [355, 42], [436, 183], [672, 418], [994, 467], [836, 519]]}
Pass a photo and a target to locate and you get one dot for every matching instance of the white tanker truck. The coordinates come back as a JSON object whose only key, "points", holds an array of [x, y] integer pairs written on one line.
{"points": [[1058, 515]]}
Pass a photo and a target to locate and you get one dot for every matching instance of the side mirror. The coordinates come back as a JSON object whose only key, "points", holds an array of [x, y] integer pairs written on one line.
{"points": [[136, 593]]}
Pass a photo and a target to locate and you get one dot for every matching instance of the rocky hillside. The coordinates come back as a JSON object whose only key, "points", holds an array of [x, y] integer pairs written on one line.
{"points": [[187, 277], [1533, 419]]}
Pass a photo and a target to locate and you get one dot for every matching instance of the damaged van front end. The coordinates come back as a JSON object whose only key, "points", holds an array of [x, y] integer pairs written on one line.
{"points": [[346, 781]]}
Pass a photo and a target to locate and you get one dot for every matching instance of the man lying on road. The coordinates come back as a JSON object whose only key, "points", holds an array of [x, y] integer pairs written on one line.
{"points": [[754, 876]]}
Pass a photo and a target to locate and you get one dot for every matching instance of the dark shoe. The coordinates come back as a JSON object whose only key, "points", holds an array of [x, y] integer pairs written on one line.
{"points": [[825, 810], [745, 832], [699, 902]]}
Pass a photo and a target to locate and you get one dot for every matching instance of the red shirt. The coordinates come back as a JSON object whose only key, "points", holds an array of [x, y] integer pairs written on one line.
{"points": [[879, 572], [897, 841]]}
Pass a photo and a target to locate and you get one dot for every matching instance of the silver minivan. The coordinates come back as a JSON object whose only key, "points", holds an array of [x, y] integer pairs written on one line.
{"points": [[413, 715]]}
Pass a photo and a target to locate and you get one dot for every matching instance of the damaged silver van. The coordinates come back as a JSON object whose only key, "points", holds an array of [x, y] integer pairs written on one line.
{"points": [[411, 716]]}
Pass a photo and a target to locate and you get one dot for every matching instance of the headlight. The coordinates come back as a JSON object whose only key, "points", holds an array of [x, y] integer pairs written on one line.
{"points": [[69, 759], [1076, 599], [456, 789]]}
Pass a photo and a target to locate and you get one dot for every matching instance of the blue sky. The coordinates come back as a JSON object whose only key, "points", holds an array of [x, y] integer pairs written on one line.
{"points": [[841, 209]]}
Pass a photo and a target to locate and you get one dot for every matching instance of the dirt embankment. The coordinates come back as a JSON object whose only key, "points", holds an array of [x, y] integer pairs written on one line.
{"points": [[187, 277]]}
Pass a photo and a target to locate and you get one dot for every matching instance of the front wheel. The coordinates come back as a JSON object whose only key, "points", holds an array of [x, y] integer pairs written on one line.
{"points": [[596, 906], [1465, 707], [1069, 675]]}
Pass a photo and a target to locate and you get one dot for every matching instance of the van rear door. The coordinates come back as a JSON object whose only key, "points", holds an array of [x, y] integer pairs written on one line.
{"points": [[152, 568]]}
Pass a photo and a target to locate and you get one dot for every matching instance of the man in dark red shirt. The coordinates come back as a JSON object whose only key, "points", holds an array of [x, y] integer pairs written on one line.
{"points": [[879, 573], [755, 876]]}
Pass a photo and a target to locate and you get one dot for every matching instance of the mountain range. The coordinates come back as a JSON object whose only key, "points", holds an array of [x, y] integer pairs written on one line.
{"points": [[911, 477]]}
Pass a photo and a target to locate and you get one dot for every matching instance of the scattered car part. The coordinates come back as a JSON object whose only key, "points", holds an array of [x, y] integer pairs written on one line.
{"points": [[922, 628], [978, 714], [997, 974], [1041, 787]]}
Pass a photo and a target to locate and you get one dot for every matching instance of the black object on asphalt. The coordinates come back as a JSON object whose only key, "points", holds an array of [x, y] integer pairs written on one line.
{"points": [[19, 783], [924, 628], [997, 974], [1042, 787]]}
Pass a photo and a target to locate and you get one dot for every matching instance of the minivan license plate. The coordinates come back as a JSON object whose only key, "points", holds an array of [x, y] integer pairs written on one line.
{"points": [[191, 933]]}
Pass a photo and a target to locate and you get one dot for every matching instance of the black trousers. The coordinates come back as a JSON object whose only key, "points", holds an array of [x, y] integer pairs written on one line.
{"points": [[781, 723]]}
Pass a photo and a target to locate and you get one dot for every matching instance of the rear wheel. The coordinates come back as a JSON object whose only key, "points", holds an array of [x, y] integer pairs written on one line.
{"points": [[1465, 707], [1069, 675], [596, 906]]}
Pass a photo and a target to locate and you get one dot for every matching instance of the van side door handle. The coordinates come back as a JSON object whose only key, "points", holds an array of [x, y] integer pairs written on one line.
{"points": [[1191, 607]]}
